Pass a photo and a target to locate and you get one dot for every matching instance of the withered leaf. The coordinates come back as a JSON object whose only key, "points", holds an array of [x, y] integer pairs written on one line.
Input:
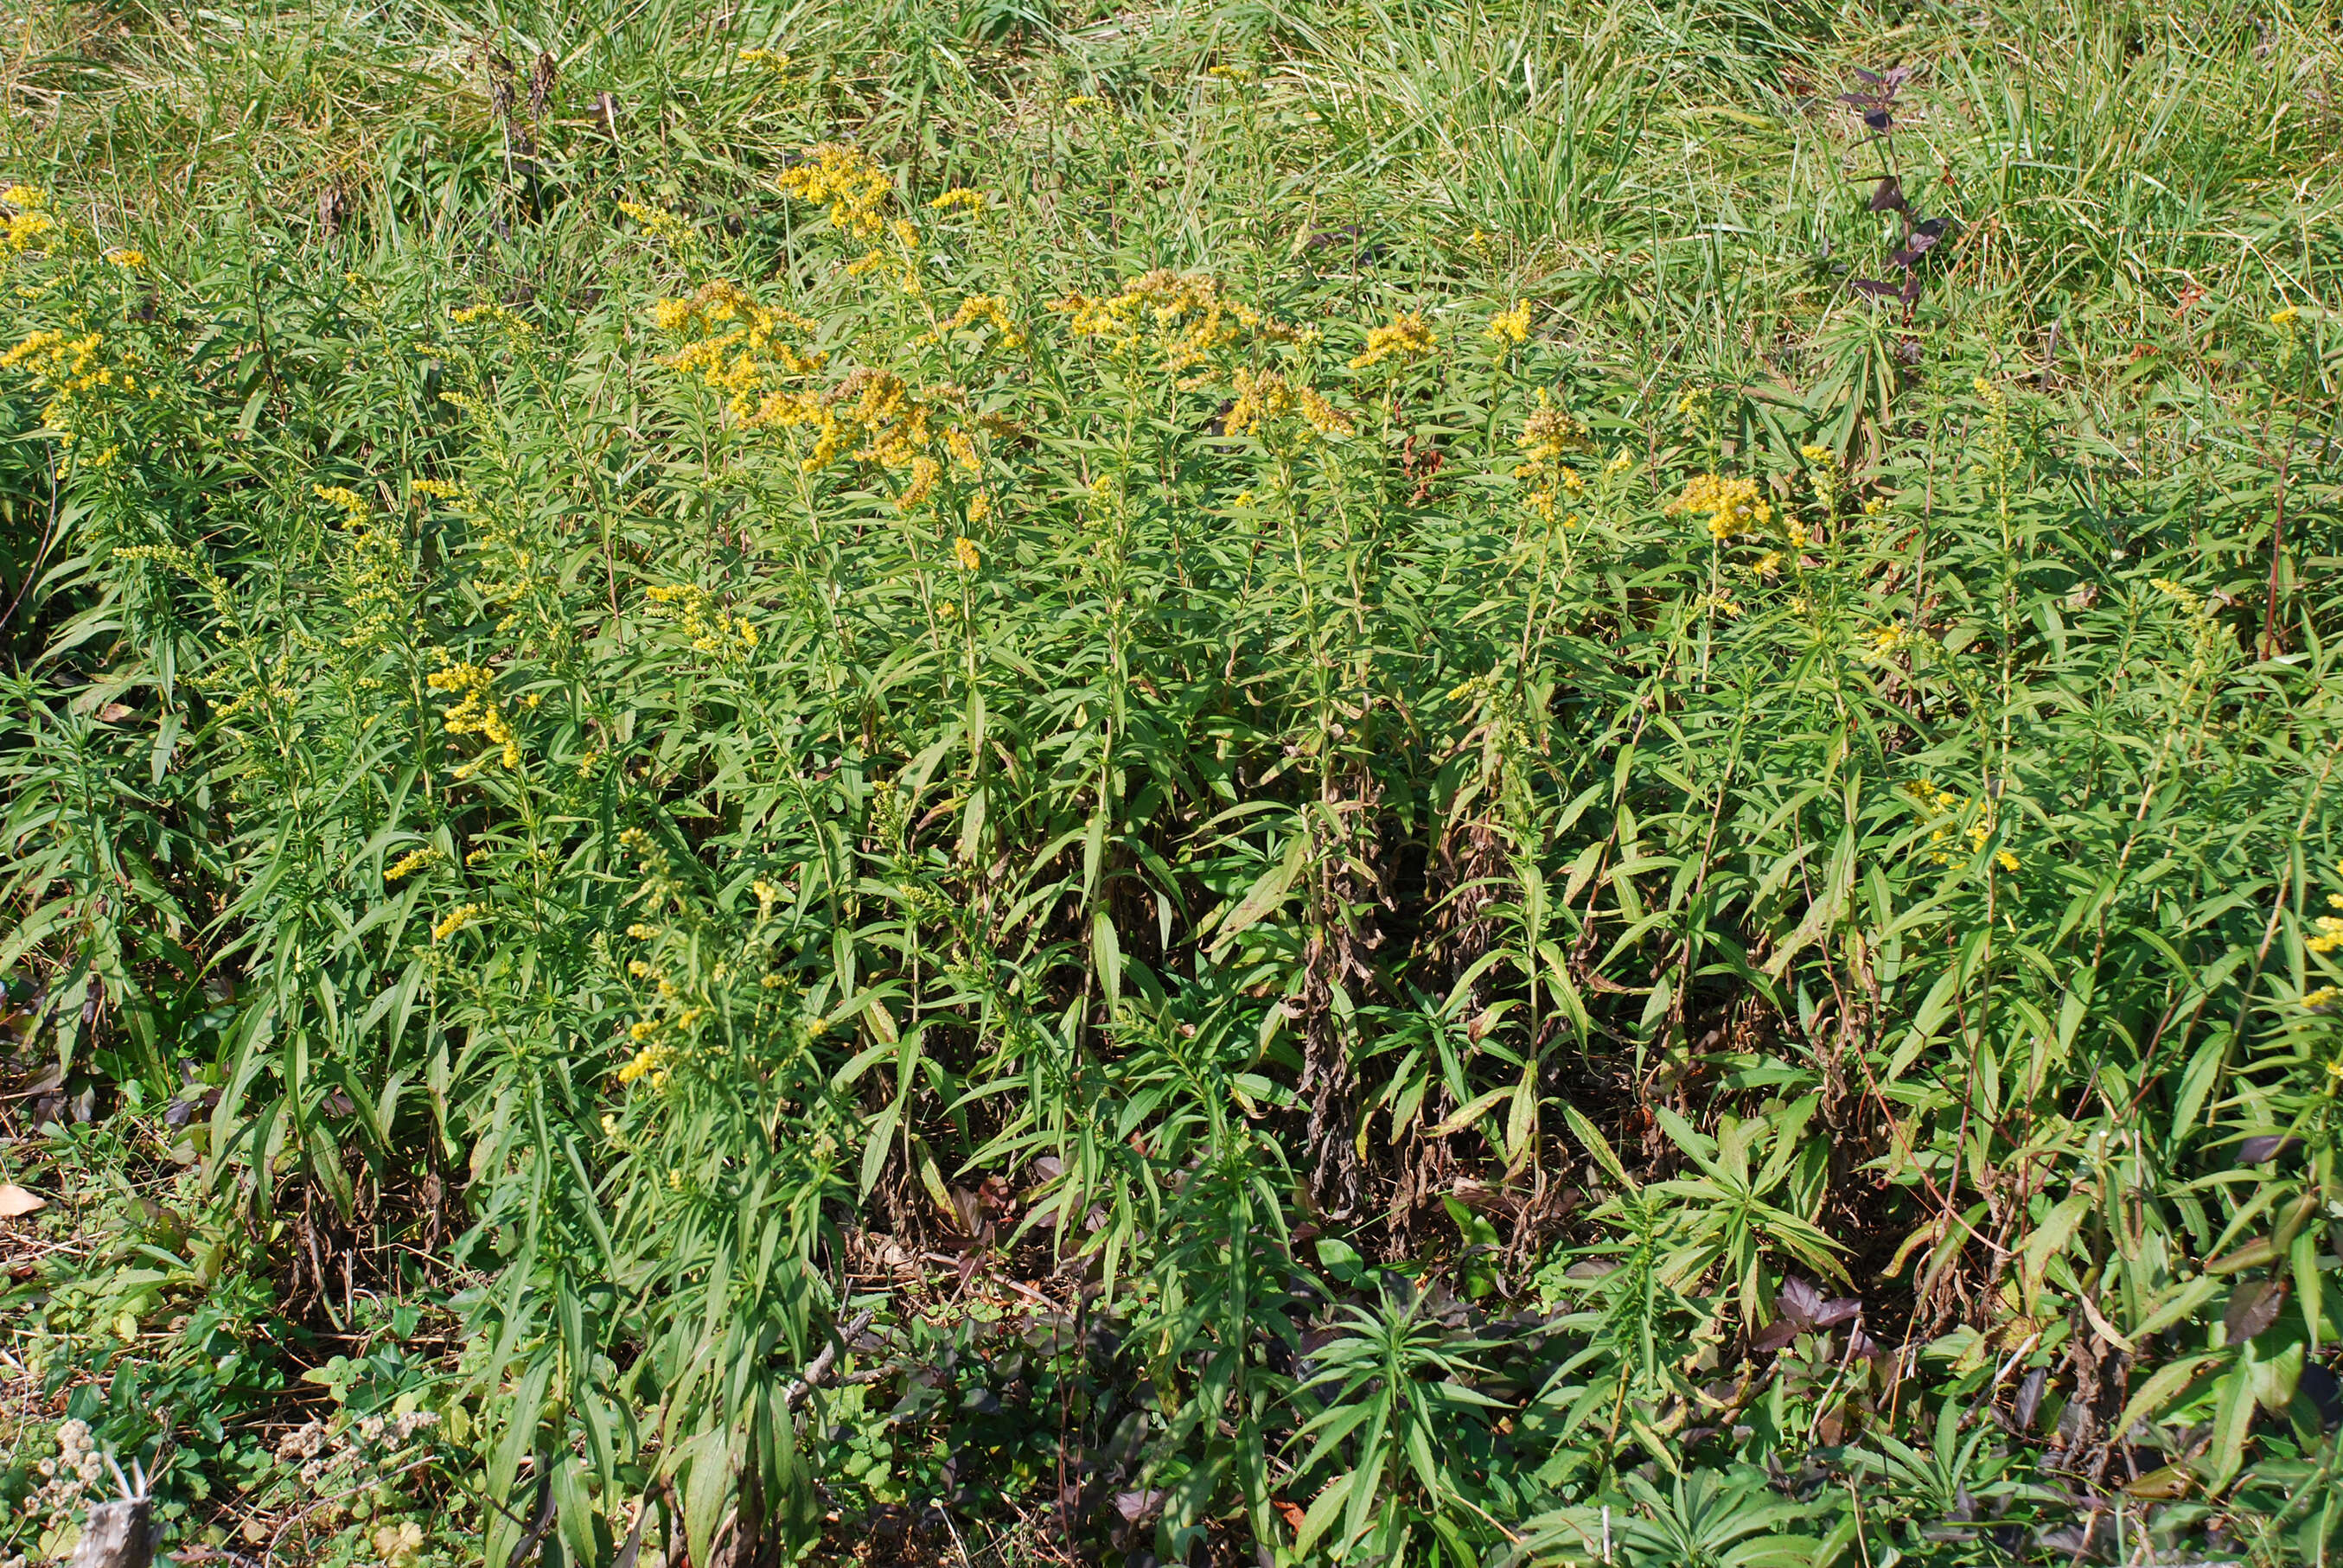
{"points": [[2253, 1309]]}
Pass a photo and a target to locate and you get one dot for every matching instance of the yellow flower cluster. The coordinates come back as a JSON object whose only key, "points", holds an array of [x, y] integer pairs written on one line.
{"points": [[651, 1061], [351, 505], [857, 192], [1403, 337], [455, 920], [1265, 398], [876, 417], [964, 554], [66, 367], [123, 256], [855, 188], [2330, 936], [1549, 434], [69, 369], [657, 222], [979, 309], [2189, 601], [370, 575], [715, 632], [741, 346], [873, 415], [477, 711], [954, 200], [30, 221], [1944, 804], [411, 862], [1190, 313], [1731, 506], [1511, 326], [1884, 642]]}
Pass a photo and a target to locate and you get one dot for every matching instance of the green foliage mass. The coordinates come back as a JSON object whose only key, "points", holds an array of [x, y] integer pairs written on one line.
{"points": [[1368, 784]]}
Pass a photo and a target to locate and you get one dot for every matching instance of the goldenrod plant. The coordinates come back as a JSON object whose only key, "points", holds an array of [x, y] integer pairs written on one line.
{"points": [[960, 783]]}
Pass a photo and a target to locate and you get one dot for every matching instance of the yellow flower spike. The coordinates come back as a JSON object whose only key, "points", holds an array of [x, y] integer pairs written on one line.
{"points": [[1511, 326], [1884, 642], [657, 222], [925, 472], [456, 919], [412, 862], [2321, 998], [2330, 936], [1729, 505], [855, 188], [641, 932], [650, 1062], [964, 553], [125, 258], [957, 200], [2286, 316], [1405, 337]]}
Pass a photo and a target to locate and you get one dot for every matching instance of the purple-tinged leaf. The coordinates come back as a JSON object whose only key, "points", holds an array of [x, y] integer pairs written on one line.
{"points": [[2253, 1308]]}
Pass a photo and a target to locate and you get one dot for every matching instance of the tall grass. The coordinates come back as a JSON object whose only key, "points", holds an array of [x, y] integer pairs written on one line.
{"points": [[1197, 784]]}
